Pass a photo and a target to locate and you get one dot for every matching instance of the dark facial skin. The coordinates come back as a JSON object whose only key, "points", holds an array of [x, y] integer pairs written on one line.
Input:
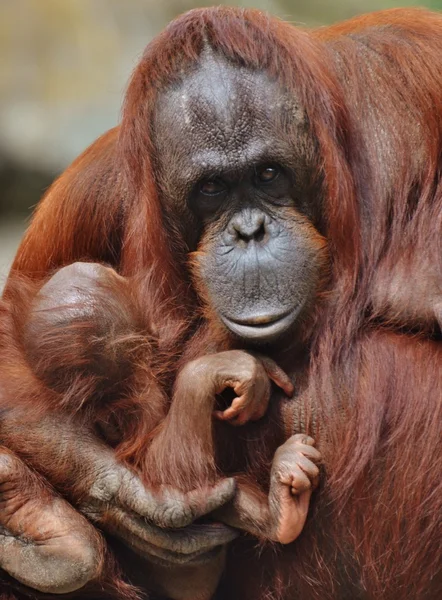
{"points": [[228, 165]]}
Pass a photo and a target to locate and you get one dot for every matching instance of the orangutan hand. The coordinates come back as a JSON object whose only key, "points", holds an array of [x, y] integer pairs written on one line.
{"points": [[293, 477], [280, 516], [248, 375], [44, 543]]}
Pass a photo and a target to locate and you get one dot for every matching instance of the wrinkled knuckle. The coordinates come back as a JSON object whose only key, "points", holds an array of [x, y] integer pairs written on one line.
{"points": [[178, 517], [276, 477], [92, 509], [317, 459], [106, 485], [225, 491], [301, 484], [298, 438], [280, 470], [173, 515]]}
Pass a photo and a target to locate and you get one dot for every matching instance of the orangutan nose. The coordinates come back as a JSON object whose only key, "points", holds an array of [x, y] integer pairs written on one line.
{"points": [[248, 225]]}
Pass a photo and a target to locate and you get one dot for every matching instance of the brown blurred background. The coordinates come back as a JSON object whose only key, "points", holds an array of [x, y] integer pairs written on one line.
{"points": [[64, 65]]}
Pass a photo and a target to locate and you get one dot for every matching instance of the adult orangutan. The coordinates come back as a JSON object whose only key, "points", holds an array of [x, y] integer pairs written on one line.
{"points": [[269, 190]]}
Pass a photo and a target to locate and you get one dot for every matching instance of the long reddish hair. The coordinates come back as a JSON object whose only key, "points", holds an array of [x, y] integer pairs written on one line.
{"points": [[371, 90]]}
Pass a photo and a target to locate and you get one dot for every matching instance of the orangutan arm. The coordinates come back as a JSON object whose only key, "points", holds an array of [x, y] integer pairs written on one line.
{"points": [[281, 515]]}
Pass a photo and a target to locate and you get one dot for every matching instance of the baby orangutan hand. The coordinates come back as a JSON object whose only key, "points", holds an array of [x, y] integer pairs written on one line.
{"points": [[249, 376], [293, 477], [280, 516]]}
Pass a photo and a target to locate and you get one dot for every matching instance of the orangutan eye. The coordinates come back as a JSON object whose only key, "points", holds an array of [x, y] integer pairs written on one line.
{"points": [[267, 173], [212, 187]]}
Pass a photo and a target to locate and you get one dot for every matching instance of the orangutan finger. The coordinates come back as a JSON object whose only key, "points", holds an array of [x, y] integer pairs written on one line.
{"points": [[277, 375]]}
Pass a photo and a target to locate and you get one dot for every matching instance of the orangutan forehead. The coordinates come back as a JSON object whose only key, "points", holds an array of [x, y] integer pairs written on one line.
{"points": [[220, 92], [221, 114]]}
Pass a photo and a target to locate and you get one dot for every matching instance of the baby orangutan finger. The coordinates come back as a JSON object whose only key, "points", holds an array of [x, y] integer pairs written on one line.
{"points": [[242, 419], [250, 377], [238, 405], [309, 452], [245, 408], [307, 466], [298, 482], [242, 412], [277, 375], [301, 444]]}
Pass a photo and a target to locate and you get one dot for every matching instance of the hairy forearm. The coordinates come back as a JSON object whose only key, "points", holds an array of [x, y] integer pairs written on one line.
{"points": [[182, 452], [54, 444]]}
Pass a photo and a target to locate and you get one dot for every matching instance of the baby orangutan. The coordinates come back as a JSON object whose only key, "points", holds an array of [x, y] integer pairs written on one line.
{"points": [[91, 345]]}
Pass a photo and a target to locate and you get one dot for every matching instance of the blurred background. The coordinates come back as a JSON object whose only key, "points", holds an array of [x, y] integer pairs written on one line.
{"points": [[64, 65]]}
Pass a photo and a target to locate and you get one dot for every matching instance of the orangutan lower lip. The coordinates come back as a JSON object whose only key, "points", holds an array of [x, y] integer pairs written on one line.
{"points": [[262, 329], [260, 320]]}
